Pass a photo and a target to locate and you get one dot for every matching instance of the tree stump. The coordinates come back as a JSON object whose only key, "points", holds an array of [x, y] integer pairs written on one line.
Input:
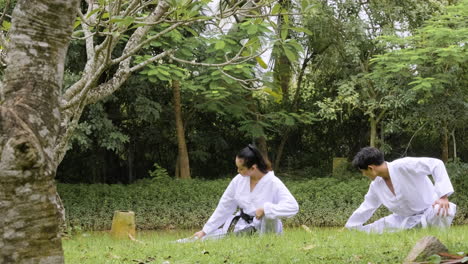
{"points": [[123, 225], [425, 248]]}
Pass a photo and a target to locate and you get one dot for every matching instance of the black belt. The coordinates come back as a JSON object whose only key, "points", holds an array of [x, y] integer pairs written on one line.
{"points": [[247, 218]]}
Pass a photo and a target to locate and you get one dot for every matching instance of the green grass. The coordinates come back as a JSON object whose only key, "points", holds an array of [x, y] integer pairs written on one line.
{"points": [[322, 245]]}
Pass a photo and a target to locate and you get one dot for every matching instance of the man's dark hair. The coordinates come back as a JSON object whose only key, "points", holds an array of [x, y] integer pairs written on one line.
{"points": [[368, 156]]}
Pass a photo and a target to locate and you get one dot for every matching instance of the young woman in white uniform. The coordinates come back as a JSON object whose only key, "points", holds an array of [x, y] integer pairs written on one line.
{"points": [[262, 199]]}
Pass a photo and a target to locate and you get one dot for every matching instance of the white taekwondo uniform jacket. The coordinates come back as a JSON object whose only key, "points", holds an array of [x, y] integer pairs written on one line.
{"points": [[412, 202], [270, 194]]}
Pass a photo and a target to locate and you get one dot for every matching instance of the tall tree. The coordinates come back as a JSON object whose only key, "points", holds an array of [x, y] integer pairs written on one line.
{"points": [[433, 64], [182, 165], [362, 22], [29, 129], [38, 119]]}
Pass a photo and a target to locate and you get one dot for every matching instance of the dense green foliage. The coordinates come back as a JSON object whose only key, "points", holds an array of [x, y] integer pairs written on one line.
{"points": [[163, 203], [338, 80], [322, 245]]}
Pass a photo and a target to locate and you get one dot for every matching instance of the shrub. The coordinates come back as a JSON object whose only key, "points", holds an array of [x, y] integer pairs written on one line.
{"points": [[187, 204]]}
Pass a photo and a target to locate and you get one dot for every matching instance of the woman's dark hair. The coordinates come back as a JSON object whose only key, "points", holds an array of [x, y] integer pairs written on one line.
{"points": [[251, 156], [368, 156]]}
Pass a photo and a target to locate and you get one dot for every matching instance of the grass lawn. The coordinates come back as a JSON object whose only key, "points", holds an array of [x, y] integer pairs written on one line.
{"points": [[322, 245]]}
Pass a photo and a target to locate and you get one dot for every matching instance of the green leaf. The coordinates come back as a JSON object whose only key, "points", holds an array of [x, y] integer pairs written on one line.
{"points": [[286, 17], [193, 32], [253, 42], [153, 72], [178, 71], [6, 25], [164, 72], [276, 9], [77, 23], [215, 73], [155, 44], [301, 29], [93, 12], [252, 29], [220, 45], [435, 259], [284, 33], [261, 62], [153, 80], [291, 56]]}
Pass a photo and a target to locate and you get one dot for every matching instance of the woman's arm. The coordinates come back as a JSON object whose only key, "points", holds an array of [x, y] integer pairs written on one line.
{"points": [[226, 207], [285, 207]]}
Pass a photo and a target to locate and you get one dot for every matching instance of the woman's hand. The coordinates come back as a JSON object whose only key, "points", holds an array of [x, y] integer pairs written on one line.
{"points": [[259, 213], [199, 234]]}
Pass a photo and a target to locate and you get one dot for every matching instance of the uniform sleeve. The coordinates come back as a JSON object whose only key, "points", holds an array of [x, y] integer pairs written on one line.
{"points": [[226, 207], [436, 168], [365, 211], [285, 207]]}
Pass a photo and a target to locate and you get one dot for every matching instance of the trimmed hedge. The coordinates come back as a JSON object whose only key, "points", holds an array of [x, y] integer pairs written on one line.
{"points": [[187, 204]]}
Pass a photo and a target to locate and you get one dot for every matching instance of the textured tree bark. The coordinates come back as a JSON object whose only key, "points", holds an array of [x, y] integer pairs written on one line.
{"points": [[131, 161], [29, 126], [279, 152], [444, 144], [184, 166], [452, 134], [282, 73], [373, 132], [262, 146]]}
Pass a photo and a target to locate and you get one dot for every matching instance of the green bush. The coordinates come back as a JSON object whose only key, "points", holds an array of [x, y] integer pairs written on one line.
{"points": [[187, 204]]}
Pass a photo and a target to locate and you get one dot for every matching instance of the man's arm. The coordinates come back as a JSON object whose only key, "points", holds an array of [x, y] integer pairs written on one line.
{"points": [[443, 186], [365, 211]]}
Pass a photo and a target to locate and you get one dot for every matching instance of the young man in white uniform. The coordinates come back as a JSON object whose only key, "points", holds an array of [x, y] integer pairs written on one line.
{"points": [[403, 186], [261, 196]]}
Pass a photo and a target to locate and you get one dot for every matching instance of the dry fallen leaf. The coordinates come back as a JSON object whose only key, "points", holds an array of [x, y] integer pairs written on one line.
{"points": [[135, 240], [308, 247], [112, 256], [306, 228]]}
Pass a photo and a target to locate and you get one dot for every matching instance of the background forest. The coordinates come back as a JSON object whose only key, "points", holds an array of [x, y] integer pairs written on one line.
{"points": [[341, 75], [142, 105]]}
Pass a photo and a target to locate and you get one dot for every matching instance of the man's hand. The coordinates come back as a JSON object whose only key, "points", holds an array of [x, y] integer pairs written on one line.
{"points": [[259, 213], [444, 205], [199, 234]]}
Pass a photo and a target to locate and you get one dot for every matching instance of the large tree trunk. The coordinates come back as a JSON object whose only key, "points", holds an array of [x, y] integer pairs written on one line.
{"points": [[279, 153], [29, 124], [282, 74], [184, 166], [177, 167], [282, 71], [445, 145], [454, 154], [131, 161], [262, 146], [373, 132]]}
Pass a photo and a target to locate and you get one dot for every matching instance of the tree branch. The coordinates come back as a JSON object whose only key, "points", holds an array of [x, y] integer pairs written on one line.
{"points": [[153, 59], [233, 61], [411, 139], [135, 49]]}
